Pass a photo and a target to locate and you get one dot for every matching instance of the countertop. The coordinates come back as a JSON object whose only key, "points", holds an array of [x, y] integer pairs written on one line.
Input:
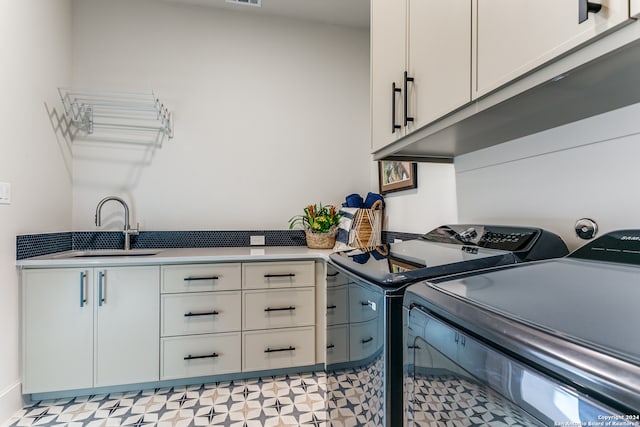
{"points": [[179, 256]]}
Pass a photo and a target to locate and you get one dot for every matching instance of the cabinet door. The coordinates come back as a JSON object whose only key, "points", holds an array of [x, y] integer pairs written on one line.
{"points": [[127, 325], [57, 330], [516, 36], [388, 52], [439, 59]]}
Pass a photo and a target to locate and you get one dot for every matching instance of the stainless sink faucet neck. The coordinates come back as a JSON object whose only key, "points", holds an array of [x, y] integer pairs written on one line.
{"points": [[127, 230]]}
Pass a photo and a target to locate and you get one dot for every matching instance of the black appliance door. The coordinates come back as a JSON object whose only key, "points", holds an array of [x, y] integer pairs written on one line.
{"points": [[452, 378]]}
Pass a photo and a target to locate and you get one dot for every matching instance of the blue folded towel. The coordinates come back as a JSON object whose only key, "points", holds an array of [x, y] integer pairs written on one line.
{"points": [[353, 201], [371, 199]]}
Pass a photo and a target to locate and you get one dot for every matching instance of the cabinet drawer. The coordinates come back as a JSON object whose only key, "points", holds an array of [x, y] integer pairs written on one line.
{"points": [[200, 277], [337, 344], [278, 308], [200, 355], [281, 348], [364, 304], [289, 274], [363, 339], [200, 313], [337, 305]]}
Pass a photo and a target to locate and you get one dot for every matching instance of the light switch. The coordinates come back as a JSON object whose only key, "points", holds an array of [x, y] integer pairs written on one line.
{"points": [[5, 193]]}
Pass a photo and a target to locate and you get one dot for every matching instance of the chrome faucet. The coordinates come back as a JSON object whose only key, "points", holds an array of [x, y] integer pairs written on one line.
{"points": [[127, 231]]}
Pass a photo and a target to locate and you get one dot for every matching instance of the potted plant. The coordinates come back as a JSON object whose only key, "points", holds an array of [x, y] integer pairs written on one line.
{"points": [[320, 224]]}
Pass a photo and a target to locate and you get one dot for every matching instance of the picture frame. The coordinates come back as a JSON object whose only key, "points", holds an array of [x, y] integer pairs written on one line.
{"points": [[397, 176]]}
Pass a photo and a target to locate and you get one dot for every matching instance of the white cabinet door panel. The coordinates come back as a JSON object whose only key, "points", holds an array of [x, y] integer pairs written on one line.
{"points": [[439, 60], [127, 336], [514, 37], [388, 53], [57, 330]]}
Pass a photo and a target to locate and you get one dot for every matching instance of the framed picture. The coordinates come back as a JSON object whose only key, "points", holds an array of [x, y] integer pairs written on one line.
{"points": [[397, 176], [400, 266]]}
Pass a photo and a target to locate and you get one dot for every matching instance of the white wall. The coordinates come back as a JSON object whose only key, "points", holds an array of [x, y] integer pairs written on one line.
{"points": [[426, 207], [35, 58], [271, 114], [553, 178]]}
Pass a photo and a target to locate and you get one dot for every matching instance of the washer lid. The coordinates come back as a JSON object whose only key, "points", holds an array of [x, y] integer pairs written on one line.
{"points": [[594, 304]]}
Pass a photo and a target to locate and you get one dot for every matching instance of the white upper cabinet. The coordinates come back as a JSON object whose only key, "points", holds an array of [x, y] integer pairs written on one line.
{"points": [[388, 53], [420, 64], [513, 37], [439, 59]]}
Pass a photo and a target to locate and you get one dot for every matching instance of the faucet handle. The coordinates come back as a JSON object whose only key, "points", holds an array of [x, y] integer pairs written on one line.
{"points": [[132, 231]]}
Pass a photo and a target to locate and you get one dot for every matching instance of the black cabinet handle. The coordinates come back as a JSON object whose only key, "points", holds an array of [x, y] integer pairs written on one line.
{"points": [[268, 276], [206, 313], [407, 79], [584, 7], [331, 307], [366, 340], [290, 308], [206, 356], [275, 350], [413, 347], [195, 278], [394, 89], [330, 346]]}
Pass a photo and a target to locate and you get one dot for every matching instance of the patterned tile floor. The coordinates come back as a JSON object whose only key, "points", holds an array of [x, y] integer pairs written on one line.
{"points": [[293, 400], [349, 397]]}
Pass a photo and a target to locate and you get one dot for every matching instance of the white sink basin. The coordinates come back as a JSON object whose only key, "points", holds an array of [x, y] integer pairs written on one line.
{"points": [[109, 253]]}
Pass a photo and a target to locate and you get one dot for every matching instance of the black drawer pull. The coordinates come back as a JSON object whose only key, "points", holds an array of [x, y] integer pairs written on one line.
{"points": [[413, 347], [206, 356], [195, 278], [275, 350], [368, 304], [290, 308], [366, 340], [330, 346], [206, 313], [331, 307], [269, 276]]}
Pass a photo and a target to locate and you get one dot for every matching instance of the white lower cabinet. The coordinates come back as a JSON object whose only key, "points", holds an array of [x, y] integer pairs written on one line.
{"points": [[87, 328], [200, 355], [278, 348], [96, 327]]}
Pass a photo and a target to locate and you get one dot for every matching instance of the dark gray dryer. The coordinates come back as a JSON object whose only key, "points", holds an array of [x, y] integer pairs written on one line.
{"points": [[546, 343]]}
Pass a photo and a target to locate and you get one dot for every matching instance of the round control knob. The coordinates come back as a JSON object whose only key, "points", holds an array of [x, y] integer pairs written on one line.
{"points": [[586, 228]]}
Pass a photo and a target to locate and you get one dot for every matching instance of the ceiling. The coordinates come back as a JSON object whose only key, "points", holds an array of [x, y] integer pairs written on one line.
{"points": [[352, 13]]}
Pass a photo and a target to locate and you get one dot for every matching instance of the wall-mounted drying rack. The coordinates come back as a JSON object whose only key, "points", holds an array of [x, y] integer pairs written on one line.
{"points": [[119, 111]]}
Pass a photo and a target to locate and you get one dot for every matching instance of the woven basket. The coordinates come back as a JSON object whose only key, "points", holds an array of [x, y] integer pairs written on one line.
{"points": [[367, 227], [321, 240]]}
